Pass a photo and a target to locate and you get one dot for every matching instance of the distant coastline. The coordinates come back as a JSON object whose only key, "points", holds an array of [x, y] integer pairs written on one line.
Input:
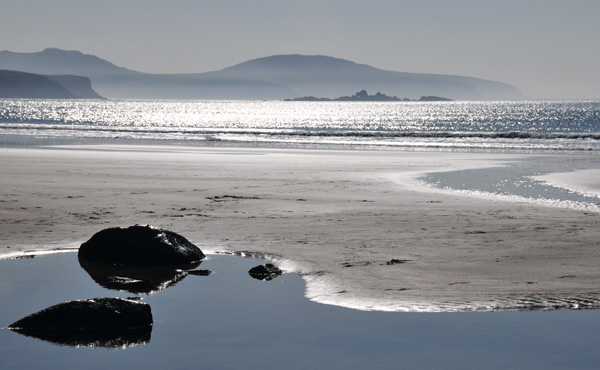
{"points": [[363, 95], [275, 77], [24, 85]]}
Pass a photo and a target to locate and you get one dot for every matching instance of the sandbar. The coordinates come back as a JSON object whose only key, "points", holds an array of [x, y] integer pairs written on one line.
{"points": [[581, 181], [358, 237]]}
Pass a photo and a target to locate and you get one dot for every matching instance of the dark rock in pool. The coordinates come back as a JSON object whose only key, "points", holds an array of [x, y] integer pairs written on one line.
{"points": [[101, 313], [265, 272], [139, 245], [100, 322]]}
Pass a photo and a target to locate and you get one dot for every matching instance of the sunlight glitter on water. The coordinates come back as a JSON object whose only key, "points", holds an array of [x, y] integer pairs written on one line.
{"points": [[448, 125]]}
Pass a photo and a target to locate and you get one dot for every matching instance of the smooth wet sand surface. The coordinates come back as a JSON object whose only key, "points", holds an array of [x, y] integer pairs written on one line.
{"points": [[337, 217]]}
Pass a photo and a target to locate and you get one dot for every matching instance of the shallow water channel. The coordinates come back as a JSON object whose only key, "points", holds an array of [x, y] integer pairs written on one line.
{"points": [[517, 181], [228, 320]]}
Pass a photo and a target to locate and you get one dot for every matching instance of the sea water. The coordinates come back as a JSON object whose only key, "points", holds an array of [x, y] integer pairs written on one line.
{"points": [[228, 320], [570, 129], [497, 125]]}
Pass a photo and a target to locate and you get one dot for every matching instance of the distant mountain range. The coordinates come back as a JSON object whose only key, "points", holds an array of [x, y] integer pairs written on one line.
{"points": [[275, 77]]}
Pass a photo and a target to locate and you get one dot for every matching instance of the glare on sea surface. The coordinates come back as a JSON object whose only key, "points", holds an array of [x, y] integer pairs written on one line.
{"points": [[412, 116], [461, 124]]}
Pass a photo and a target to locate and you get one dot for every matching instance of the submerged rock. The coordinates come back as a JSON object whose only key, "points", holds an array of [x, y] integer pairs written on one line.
{"points": [[99, 322], [139, 245], [265, 272]]}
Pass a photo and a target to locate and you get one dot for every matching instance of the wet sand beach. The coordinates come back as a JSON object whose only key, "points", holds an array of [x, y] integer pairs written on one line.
{"points": [[360, 235]]}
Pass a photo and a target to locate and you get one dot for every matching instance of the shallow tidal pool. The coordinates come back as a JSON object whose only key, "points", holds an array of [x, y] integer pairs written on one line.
{"points": [[228, 320]]}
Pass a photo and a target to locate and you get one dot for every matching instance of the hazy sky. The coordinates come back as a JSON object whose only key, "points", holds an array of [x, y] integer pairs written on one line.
{"points": [[547, 48]]}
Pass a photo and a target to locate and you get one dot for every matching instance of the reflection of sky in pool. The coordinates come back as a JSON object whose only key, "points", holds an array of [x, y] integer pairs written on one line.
{"points": [[228, 320]]}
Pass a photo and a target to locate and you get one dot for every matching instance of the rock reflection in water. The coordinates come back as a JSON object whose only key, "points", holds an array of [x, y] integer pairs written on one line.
{"points": [[103, 338], [136, 279]]}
